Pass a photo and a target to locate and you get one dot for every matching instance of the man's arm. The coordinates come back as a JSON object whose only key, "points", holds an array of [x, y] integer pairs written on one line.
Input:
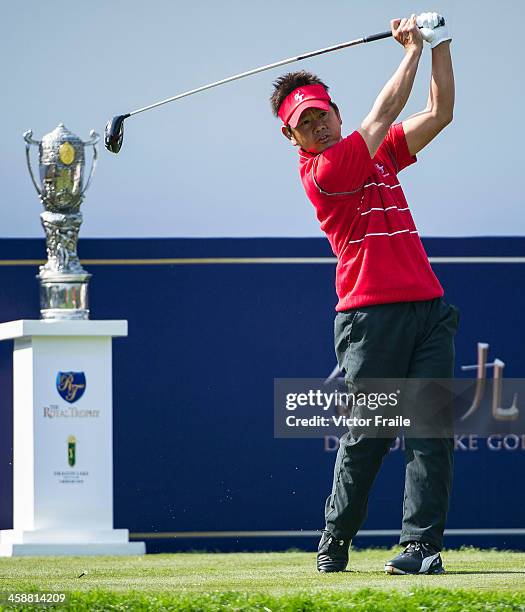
{"points": [[395, 93], [422, 127]]}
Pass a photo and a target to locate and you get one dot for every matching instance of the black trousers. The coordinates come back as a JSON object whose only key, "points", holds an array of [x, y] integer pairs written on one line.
{"points": [[399, 340]]}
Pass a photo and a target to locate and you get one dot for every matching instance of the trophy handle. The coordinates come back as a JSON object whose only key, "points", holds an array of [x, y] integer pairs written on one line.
{"points": [[29, 142], [94, 137]]}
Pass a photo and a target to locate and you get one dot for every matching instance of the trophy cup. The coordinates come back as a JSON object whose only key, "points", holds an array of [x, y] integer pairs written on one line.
{"points": [[63, 280]]}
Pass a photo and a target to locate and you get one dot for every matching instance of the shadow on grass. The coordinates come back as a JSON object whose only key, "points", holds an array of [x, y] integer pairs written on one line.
{"points": [[447, 573]]}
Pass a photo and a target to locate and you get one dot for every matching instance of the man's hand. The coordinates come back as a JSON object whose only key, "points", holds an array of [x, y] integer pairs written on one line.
{"points": [[430, 30], [406, 32]]}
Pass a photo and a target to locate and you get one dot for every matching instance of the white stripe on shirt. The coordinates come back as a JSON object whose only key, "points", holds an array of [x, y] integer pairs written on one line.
{"points": [[383, 209], [403, 231]]}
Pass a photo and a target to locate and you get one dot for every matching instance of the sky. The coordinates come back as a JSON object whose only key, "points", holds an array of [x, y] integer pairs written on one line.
{"points": [[216, 164]]}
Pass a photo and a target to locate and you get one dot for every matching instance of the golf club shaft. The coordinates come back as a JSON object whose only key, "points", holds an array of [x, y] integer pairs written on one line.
{"points": [[290, 60]]}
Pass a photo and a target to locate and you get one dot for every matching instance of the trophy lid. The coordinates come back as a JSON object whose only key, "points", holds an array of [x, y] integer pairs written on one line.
{"points": [[61, 134], [61, 145]]}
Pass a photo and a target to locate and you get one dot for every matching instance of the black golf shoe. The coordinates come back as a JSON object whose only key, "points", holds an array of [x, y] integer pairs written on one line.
{"points": [[417, 558], [332, 555]]}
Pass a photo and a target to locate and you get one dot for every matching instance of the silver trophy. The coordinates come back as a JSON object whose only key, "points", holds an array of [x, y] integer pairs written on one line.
{"points": [[63, 280]]}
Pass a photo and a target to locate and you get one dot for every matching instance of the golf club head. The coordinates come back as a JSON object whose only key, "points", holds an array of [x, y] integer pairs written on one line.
{"points": [[114, 133]]}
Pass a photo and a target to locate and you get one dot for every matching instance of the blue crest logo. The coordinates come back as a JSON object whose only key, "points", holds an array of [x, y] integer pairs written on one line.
{"points": [[71, 385]]}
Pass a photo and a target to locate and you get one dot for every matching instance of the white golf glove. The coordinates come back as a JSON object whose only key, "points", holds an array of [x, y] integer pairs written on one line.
{"points": [[430, 30]]}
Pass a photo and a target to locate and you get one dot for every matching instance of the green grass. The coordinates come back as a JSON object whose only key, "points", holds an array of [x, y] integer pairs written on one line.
{"points": [[475, 580]]}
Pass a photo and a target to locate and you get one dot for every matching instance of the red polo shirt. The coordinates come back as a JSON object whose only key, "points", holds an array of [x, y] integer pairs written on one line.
{"points": [[363, 212]]}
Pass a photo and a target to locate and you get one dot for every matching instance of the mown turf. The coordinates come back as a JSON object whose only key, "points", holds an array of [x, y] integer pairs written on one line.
{"points": [[475, 580]]}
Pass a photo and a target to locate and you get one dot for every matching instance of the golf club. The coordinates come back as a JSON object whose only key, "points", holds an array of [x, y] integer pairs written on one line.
{"points": [[114, 132]]}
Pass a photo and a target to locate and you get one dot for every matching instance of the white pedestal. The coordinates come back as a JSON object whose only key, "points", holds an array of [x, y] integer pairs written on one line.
{"points": [[62, 440]]}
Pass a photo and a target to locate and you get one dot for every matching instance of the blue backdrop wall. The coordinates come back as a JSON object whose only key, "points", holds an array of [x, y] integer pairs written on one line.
{"points": [[212, 322]]}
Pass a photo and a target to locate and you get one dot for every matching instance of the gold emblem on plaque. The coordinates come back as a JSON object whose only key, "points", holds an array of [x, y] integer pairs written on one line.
{"points": [[66, 153], [71, 450]]}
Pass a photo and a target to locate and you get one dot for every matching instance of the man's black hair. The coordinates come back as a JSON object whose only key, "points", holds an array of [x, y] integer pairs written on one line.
{"points": [[285, 84]]}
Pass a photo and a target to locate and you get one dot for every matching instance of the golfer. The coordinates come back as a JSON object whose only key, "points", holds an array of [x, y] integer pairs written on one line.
{"points": [[392, 320]]}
